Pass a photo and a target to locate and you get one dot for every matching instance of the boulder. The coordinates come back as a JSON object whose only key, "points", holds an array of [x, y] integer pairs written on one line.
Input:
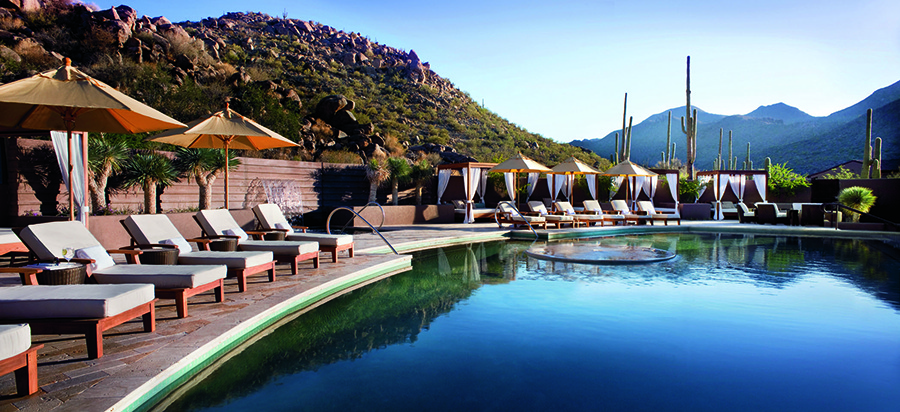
{"points": [[8, 54], [22, 5]]}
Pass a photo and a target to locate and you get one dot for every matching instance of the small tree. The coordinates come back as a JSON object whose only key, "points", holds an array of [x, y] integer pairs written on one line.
{"points": [[399, 169], [376, 173], [105, 156], [204, 166], [421, 172], [859, 198], [784, 181], [149, 170]]}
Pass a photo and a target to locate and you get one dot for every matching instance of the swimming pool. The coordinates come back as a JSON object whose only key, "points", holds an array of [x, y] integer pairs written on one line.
{"points": [[735, 322]]}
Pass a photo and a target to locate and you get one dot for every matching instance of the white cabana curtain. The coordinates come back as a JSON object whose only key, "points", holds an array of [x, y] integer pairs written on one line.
{"points": [[61, 145], [443, 181], [532, 182], [556, 182], [570, 187], [737, 186], [721, 185], [672, 179], [704, 180], [482, 185], [592, 185], [760, 182], [617, 184], [471, 177], [636, 189], [510, 179]]}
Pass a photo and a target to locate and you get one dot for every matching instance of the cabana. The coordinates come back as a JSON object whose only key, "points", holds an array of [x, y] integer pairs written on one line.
{"points": [[472, 172], [737, 179], [673, 182], [635, 177], [568, 170]]}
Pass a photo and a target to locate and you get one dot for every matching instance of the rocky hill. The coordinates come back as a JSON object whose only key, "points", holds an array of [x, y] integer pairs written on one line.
{"points": [[343, 97], [785, 134]]}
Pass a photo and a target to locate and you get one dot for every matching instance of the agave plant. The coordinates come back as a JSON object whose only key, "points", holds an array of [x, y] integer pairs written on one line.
{"points": [[400, 170], [857, 197], [149, 170]]}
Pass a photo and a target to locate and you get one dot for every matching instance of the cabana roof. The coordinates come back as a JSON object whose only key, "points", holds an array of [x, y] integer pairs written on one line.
{"points": [[731, 172], [466, 165]]}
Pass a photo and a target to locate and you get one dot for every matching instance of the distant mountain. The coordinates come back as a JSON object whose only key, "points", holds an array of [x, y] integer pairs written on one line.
{"points": [[785, 134], [781, 111]]}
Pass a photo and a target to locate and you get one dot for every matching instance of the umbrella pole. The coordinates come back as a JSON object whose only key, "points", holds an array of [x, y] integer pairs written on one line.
{"points": [[226, 174], [71, 170]]}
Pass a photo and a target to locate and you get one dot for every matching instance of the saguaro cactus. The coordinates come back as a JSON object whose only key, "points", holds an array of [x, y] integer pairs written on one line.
{"points": [[689, 127], [867, 149], [732, 164], [876, 159], [669, 153], [718, 162], [624, 152], [748, 164]]}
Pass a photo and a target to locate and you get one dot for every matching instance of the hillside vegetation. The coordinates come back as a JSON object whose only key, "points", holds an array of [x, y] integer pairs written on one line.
{"points": [[275, 71]]}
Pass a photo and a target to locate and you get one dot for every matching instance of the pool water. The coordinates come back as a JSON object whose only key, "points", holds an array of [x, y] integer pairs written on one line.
{"points": [[734, 322]]}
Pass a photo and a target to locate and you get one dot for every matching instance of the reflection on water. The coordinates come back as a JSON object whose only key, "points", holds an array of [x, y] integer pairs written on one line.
{"points": [[398, 310]]}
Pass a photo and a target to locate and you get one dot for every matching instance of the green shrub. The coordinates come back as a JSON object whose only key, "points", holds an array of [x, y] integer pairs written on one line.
{"points": [[784, 182], [857, 197]]}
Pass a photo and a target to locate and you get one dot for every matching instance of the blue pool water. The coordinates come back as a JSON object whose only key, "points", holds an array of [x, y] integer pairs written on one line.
{"points": [[735, 322]]}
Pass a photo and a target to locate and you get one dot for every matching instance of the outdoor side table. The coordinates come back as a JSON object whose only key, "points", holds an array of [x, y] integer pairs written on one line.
{"points": [[223, 245], [276, 235], [158, 256], [64, 273]]}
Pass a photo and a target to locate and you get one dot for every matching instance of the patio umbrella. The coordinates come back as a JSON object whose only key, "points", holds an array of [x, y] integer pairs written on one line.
{"points": [[67, 99], [224, 130], [519, 164], [627, 169], [571, 167]]}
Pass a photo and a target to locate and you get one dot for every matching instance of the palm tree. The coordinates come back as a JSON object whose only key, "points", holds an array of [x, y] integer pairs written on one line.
{"points": [[149, 170], [421, 172], [377, 173], [204, 166], [399, 168], [105, 156]]}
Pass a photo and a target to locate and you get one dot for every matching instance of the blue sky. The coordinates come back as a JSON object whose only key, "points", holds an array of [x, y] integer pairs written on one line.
{"points": [[562, 68]]}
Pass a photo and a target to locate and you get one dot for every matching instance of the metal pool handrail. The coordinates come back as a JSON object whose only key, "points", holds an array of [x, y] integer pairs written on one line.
{"points": [[835, 207], [497, 210], [328, 224]]}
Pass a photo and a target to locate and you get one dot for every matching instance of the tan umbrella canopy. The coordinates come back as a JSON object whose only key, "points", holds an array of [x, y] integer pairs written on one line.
{"points": [[67, 99], [519, 164], [572, 166], [627, 169], [224, 130]]}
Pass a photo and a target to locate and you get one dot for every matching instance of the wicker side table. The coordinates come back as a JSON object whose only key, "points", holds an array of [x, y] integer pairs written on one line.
{"points": [[223, 245], [276, 235], [59, 274], [159, 256]]}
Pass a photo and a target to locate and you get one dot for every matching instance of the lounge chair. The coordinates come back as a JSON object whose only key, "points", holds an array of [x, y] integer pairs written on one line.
{"points": [[646, 206], [586, 218], [218, 224], [149, 231], [87, 310], [729, 209], [593, 206], [270, 218], [179, 282], [18, 355], [769, 213], [509, 214], [538, 207], [745, 215], [621, 207], [459, 208]]}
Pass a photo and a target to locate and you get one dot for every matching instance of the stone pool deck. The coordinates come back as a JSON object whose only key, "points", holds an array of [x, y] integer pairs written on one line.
{"points": [[136, 366]]}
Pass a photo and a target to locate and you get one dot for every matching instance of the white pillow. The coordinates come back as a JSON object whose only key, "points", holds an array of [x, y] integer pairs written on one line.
{"points": [[282, 226], [237, 232], [102, 260], [184, 246]]}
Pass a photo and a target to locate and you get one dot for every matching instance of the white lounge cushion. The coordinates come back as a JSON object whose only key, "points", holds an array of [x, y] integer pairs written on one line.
{"points": [[71, 301], [102, 259], [47, 240], [271, 217], [280, 247], [152, 229], [184, 247], [216, 221], [162, 276], [322, 238], [233, 260], [14, 339]]}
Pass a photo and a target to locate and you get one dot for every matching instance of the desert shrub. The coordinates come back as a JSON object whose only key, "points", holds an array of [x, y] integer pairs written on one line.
{"points": [[841, 173], [857, 197], [785, 182], [340, 156]]}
